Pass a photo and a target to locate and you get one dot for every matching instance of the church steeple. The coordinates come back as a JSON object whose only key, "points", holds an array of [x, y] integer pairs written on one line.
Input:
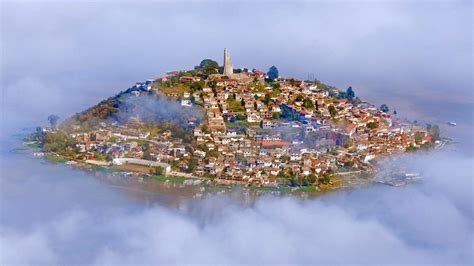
{"points": [[228, 68]]}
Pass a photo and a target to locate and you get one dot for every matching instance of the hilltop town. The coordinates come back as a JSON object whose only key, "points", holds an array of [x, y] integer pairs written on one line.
{"points": [[235, 126]]}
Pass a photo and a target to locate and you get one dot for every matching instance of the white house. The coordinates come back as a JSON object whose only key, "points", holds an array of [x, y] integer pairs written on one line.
{"points": [[186, 102]]}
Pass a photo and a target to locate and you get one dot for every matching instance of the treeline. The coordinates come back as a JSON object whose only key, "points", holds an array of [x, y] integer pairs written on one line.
{"points": [[58, 142], [295, 180], [104, 110]]}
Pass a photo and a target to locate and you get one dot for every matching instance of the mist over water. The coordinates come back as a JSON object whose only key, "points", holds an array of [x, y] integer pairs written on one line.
{"points": [[64, 216], [416, 57]]}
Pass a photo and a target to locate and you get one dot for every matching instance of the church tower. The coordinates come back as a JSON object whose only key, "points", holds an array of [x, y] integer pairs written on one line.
{"points": [[228, 68]]}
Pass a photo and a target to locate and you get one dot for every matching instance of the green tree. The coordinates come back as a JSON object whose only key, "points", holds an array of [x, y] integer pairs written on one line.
{"points": [[158, 170], [146, 155], [332, 110], [372, 125], [192, 163], [418, 137], [327, 176], [272, 73], [209, 66], [53, 120], [308, 103], [197, 85], [312, 178], [57, 142], [282, 175], [342, 95], [350, 94], [267, 98], [241, 117], [410, 148]]}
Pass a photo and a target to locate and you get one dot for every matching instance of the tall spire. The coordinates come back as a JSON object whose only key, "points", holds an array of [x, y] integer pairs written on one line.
{"points": [[228, 68]]}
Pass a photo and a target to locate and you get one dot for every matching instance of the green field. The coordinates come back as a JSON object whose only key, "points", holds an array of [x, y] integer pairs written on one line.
{"points": [[55, 158], [173, 179]]}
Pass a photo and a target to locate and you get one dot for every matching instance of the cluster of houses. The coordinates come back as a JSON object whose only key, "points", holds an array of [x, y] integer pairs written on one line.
{"points": [[116, 143], [257, 151], [240, 139]]}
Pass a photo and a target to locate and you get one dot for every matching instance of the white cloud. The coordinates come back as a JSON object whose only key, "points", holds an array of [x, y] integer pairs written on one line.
{"points": [[421, 224], [62, 59]]}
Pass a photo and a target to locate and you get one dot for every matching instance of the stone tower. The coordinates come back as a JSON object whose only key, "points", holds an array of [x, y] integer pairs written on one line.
{"points": [[228, 68]]}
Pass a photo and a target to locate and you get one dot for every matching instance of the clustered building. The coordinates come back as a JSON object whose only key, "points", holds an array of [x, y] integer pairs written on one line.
{"points": [[259, 131]]}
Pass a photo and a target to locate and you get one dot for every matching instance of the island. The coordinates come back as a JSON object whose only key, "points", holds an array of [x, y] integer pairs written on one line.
{"points": [[226, 126]]}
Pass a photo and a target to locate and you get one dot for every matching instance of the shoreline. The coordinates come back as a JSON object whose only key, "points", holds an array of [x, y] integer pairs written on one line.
{"points": [[109, 172], [115, 176]]}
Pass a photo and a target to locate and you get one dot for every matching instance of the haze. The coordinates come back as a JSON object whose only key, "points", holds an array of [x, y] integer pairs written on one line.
{"points": [[60, 57]]}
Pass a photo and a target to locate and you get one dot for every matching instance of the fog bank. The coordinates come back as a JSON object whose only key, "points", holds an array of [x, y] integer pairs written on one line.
{"points": [[426, 223], [61, 57], [405, 54]]}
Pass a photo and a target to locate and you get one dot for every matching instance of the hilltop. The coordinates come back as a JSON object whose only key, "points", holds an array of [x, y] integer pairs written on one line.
{"points": [[248, 126]]}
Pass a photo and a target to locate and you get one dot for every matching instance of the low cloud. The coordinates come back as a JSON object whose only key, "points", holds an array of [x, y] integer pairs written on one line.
{"points": [[151, 108], [425, 223], [400, 53], [414, 57]]}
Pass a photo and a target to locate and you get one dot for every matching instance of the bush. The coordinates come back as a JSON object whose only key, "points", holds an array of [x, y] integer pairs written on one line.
{"points": [[410, 148], [332, 110], [241, 117], [158, 170], [308, 103], [372, 125], [57, 142]]}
